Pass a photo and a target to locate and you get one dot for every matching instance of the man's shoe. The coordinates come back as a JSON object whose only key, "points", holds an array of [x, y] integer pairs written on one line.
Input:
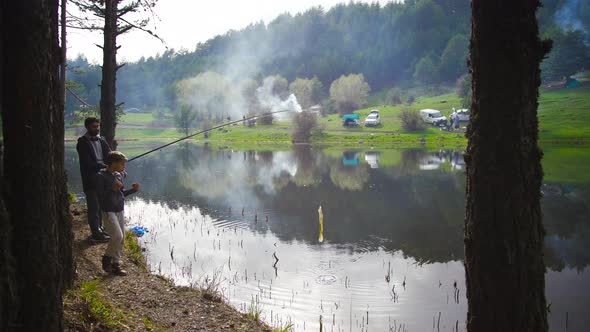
{"points": [[107, 264], [117, 270], [103, 231], [100, 237]]}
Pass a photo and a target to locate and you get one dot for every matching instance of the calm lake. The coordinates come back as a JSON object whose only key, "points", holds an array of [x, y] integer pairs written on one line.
{"points": [[387, 255]]}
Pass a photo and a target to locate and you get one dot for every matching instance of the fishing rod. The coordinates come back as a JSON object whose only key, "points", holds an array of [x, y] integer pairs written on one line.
{"points": [[206, 130]]}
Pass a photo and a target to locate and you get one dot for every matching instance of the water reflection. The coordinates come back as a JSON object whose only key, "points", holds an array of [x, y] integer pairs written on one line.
{"points": [[383, 211]]}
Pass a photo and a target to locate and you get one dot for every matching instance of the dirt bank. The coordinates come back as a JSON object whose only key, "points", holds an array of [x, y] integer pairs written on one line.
{"points": [[140, 301]]}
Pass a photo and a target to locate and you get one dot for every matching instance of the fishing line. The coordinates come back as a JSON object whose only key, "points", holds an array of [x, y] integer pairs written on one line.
{"points": [[207, 130]]}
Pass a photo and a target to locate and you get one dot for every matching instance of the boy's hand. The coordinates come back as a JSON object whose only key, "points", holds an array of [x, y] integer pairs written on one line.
{"points": [[117, 185], [135, 186]]}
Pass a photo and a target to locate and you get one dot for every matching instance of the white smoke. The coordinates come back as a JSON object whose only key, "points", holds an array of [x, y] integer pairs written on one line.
{"points": [[243, 60], [273, 102], [567, 17]]}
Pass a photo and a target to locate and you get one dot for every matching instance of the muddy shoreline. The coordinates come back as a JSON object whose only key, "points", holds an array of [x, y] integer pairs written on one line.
{"points": [[140, 301]]}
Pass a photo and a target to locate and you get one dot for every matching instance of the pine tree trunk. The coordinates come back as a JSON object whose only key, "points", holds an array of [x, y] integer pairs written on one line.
{"points": [[63, 48], [504, 266], [35, 222], [108, 91]]}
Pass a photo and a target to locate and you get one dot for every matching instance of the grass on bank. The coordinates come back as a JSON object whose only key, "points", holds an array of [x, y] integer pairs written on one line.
{"points": [[139, 119], [99, 309], [564, 117], [135, 252]]}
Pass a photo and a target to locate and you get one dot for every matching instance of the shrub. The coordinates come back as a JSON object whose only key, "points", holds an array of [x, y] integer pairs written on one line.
{"points": [[72, 198], [305, 124], [266, 118], [394, 96], [411, 120]]}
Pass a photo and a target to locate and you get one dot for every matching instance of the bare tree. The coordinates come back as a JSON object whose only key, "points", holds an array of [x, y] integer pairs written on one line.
{"points": [[505, 272], [111, 17]]}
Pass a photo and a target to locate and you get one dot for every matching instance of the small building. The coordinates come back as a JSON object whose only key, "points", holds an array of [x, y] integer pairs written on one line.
{"points": [[316, 109]]}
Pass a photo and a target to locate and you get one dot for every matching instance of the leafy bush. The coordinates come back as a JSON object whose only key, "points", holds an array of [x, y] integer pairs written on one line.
{"points": [[411, 120], [266, 118], [463, 87], [305, 124], [394, 96], [72, 197]]}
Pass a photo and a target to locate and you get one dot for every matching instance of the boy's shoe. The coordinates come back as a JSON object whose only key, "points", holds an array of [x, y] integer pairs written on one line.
{"points": [[100, 237], [107, 264], [117, 270]]}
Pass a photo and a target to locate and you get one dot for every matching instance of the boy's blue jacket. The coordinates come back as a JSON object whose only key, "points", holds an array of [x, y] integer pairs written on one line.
{"points": [[110, 200]]}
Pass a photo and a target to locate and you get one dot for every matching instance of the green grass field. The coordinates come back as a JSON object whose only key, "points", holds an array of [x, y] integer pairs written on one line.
{"points": [[564, 116]]}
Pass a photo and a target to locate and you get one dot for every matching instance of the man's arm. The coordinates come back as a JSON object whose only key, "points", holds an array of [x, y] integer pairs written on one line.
{"points": [[99, 181], [106, 148], [84, 154]]}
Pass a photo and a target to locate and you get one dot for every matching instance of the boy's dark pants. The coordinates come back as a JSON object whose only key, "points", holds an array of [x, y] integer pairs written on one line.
{"points": [[94, 215]]}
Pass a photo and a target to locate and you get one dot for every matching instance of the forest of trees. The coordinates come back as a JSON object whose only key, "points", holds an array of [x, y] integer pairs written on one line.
{"points": [[399, 44]]}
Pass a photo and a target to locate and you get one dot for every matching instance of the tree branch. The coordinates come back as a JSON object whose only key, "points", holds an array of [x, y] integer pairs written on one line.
{"points": [[83, 28], [145, 30], [78, 98], [123, 29]]}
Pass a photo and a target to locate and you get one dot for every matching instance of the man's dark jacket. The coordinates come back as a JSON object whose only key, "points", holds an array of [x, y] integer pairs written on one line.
{"points": [[89, 166]]}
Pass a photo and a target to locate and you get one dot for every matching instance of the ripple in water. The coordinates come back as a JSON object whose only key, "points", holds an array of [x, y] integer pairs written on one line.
{"points": [[325, 279]]}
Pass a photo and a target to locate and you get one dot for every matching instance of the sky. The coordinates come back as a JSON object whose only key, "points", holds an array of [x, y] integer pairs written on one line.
{"points": [[184, 23]]}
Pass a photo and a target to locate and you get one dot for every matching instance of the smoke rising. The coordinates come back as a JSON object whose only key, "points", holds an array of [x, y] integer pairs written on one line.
{"points": [[568, 16], [273, 102], [223, 92]]}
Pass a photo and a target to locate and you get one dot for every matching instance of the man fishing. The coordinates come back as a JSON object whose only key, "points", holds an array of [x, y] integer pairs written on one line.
{"points": [[93, 151]]}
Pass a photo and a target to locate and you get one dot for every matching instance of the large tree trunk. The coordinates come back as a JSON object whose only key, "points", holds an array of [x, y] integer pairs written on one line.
{"points": [[65, 230], [35, 222], [503, 230], [108, 90], [62, 68]]}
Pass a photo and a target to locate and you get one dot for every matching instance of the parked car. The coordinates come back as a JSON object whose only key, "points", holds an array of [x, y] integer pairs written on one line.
{"points": [[372, 158], [350, 120], [433, 117], [374, 112], [463, 114], [351, 123], [372, 119]]}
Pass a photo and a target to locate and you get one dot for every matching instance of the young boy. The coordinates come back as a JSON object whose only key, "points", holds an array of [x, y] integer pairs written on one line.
{"points": [[109, 188]]}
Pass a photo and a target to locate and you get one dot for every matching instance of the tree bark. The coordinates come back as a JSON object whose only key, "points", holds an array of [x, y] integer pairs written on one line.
{"points": [[65, 229], [108, 90], [34, 210], [504, 266], [62, 68]]}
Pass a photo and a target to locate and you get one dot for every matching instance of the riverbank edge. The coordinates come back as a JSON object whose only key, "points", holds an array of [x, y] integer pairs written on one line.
{"points": [[140, 301], [410, 144]]}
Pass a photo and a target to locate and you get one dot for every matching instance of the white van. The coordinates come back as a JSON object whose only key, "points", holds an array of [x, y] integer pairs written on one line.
{"points": [[373, 119], [433, 117]]}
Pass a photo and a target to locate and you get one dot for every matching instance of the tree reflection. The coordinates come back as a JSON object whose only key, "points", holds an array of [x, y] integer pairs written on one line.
{"points": [[398, 206]]}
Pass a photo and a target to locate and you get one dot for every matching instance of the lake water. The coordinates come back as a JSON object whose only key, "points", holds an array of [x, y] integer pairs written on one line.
{"points": [[387, 256]]}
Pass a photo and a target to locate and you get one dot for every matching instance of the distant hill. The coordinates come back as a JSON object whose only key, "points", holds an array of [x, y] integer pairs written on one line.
{"points": [[399, 44]]}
